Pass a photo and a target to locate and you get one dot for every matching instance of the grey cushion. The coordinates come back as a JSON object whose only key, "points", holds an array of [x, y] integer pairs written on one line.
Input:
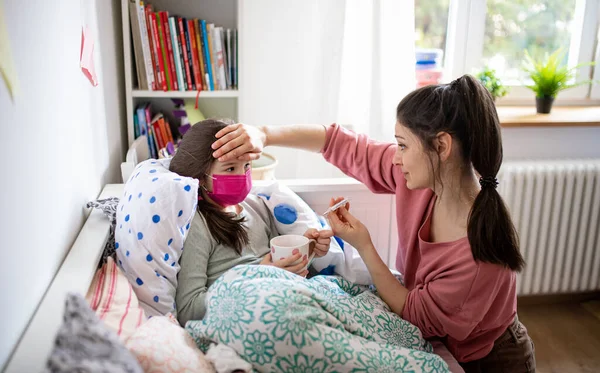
{"points": [[84, 344]]}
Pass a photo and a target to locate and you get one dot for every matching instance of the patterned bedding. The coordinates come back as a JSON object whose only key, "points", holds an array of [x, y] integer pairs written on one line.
{"points": [[280, 322]]}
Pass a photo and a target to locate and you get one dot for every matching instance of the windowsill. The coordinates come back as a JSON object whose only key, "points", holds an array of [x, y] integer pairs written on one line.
{"points": [[565, 116]]}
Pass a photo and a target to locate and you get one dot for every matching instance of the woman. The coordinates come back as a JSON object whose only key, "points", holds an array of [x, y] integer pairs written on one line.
{"points": [[458, 249], [231, 226]]}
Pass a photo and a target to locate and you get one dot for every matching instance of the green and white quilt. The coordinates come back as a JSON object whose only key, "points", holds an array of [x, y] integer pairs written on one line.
{"points": [[280, 322]]}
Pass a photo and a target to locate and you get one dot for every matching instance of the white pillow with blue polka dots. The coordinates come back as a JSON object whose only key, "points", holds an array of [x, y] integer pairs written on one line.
{"points": [[294, 216], [153, 220]]}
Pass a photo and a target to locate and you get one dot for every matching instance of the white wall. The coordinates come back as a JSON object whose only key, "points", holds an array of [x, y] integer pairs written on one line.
{"points": [[62, 141], [551, 142]]}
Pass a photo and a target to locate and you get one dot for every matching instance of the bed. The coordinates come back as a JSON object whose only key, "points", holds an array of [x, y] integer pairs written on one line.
{"points": [[75, 275]]}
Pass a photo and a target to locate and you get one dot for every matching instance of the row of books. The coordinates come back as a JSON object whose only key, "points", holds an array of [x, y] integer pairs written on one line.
{"points": [[155, 127], [174, 53]]}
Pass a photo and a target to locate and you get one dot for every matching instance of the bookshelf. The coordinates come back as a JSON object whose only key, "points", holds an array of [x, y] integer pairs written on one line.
{"points": [[217, 103]]}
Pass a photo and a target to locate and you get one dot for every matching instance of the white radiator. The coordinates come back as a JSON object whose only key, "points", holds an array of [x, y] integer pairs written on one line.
{"points": [[555, 207]]}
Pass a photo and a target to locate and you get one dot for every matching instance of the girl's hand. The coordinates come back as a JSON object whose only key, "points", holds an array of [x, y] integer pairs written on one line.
{"points": [[323, 239], [287, 264], [239, 141], [349, 228]]}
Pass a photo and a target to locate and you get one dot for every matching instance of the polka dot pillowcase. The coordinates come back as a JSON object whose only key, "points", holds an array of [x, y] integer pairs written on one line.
{"points": [[153, 220]]}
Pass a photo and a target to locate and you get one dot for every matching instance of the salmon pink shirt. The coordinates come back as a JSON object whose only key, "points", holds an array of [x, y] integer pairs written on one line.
{"points": [[467, 303]]}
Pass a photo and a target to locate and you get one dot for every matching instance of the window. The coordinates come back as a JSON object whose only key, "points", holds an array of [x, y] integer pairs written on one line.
{"points": [[476, 33], [431, 23], [532, 25]]}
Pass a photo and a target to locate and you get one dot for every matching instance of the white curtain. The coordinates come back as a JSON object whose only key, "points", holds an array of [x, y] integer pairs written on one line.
{"points": [[324, 61], [377, 64]]}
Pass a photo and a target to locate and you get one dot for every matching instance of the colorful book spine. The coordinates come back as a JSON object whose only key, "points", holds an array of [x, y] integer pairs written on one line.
{"points": [[234, 70], [188, 45], [176, 54], [200, 53], [145, 130], [186, 62], [169, 133], [162, 123], [181, 60], [151, 135], [207, 54], [153, 52], [218, 50], [229, 62], [195, 62], [213, 58], [159, 57], [158, 133], [163, 50], [148, 69], [171, 60], [136, 127]]}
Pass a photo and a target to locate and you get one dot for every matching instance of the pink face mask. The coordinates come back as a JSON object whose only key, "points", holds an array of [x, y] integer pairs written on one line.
{"points": [[229, 190]]}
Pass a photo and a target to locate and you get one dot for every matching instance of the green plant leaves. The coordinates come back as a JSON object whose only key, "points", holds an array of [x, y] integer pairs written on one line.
{"points": [[551, 75]]}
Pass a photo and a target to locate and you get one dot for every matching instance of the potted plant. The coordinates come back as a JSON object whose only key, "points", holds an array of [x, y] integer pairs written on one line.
{"points": [[550, 75], [493, 84]]}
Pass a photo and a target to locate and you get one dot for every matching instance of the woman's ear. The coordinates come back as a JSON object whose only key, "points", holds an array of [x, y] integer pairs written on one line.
{"points": [[443, 145]]}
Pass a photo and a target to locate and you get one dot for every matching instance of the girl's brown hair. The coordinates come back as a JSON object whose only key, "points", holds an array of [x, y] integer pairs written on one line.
{"points": [[194, 159], [465, 110]]}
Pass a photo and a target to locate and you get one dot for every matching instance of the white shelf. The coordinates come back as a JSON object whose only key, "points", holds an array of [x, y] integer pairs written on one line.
{"points": [[184, 94]]}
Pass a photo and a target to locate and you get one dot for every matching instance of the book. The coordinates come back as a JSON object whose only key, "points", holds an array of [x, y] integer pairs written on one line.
{"points": [[188, 46], [181, 60], [161, 67], [163, 50], [149, 70], [153, 51], [213, 58], [157, 131], [169, 133], [136, 127], [136, 34], [162, 123], [150, 131], [229, 62], [195, 62], [186, 63], [145, 129], [200, 51], [176, 55], [234, 58], [207, 54], [170, 58], [218, 50]]}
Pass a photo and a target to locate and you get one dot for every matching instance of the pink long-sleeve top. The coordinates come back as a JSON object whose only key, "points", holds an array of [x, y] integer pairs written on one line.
{"points": [[467, 303]]}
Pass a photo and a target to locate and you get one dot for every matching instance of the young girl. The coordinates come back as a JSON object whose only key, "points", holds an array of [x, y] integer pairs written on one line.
{"points": [[231, 226], [458, 249]]}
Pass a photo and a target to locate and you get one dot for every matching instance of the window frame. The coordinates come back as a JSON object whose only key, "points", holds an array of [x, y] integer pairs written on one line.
{"points": [[464, 50]]}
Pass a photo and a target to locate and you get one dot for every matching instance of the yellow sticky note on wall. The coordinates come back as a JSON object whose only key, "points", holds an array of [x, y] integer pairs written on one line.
{"points": [[7, 66]]}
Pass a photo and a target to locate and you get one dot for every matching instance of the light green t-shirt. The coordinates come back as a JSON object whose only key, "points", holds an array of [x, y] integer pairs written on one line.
{"points": [[203, 260]]}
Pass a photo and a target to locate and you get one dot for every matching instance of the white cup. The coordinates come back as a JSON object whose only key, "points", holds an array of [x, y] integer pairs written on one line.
{"points": [[287, 245]]}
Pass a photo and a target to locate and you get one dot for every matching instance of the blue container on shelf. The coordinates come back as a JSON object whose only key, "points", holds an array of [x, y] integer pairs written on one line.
{"points": [[423, 54], [428, 66]]}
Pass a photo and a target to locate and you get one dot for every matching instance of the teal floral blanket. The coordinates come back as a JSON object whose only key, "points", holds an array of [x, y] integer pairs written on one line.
{"points": [[280, 322]]}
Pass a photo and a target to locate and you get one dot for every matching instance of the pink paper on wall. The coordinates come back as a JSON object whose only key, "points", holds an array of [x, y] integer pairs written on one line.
{"points": [[86, 57]]}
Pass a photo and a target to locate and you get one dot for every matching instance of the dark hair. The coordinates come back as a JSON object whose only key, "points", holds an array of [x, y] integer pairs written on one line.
{"points": [[194, 159], [465, 110]]}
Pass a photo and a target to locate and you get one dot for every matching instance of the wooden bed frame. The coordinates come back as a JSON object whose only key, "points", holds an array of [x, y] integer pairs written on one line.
{"points": [[78, 269]]}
